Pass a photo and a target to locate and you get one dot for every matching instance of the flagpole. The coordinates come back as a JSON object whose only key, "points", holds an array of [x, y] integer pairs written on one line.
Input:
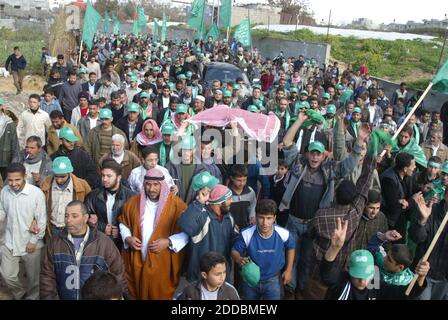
{"points": [[403, 124], [251, 46], [80, 52], [228, 33]]}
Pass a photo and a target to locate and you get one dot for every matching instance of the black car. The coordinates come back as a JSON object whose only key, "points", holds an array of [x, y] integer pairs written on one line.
{"points": [[225, 72]]}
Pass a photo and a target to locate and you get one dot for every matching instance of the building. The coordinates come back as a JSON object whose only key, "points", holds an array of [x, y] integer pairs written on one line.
{"points": [[27, 5]]}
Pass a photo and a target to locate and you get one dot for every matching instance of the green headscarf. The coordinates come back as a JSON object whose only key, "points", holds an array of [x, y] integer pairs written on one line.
{"points": [[414, 149]]}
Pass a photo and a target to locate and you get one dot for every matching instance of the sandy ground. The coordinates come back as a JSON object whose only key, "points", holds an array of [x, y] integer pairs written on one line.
{"points": [[16, 103]]}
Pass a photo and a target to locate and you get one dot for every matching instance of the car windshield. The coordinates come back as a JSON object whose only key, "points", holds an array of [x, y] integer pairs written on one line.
{"points": [[225, 75]]}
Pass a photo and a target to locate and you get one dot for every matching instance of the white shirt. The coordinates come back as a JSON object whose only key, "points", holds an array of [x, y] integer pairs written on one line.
{"points": [[91, 89], [59, 200], [19, 210], [138, 174], [109, 206], [119, 159], [372, 111], [434, 149], [93, 122], [165, 102], [31, 124], [29, 169]]}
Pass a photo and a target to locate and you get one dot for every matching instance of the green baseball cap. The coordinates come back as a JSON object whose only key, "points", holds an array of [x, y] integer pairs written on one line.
{"points": [[181, 77], [316, 146], [331, 108], [187, 143], [236, 87], [128, 57], [252, 108], [339, 87], [167, 128], [224, 40], [171, 85], [130, 74], [258, 102], [106, 113], [204, 179], [361, 265], [251, 274], [304, 92], [326, 95], [134, 79], [2, 101], [168, 60], [144, 94], [357, 110], [62, 165], [68, 134], [133, 107], [227, 93], [302, 105], [293, 90], [445, 167], [181, 108], [256, 86], [157, 68], [82, 70], [189, 74]]}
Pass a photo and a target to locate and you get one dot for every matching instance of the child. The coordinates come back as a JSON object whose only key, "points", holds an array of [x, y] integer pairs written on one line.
{"points": [[266, 244], [394, 267], [49, 103], [435, 117], [277, 181], [102, 285], [212, 285], [243, 197], [354, 284]]}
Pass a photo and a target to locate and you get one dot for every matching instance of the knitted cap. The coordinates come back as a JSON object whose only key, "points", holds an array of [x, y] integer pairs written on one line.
{"points": [[219, 194]]}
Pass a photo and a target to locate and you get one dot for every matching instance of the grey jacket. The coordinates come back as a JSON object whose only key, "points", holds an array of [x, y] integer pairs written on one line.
{"points": [[332, 171], [84, 127], [176, 173], [45, 169], [68, 97]]}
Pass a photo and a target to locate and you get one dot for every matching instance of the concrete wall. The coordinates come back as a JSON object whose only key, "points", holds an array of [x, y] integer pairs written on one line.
{"points": [[270, 47], [259, 16], [433, 101]]}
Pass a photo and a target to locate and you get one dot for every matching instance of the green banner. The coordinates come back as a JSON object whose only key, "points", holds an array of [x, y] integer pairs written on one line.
{"points": [[243, 33], [164, 29], [91, 21], [225, 13]]}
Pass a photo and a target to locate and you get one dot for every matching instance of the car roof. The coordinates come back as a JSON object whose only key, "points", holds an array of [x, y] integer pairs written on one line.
{"points": [[222, 65]]}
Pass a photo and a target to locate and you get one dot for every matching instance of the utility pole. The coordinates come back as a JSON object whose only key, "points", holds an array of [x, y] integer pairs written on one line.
{"points": [[443, 47], [328, 29]]}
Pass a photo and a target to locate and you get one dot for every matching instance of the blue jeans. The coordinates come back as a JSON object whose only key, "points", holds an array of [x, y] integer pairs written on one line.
{"points": [[304, 251], [435, 290], [269, 289]]}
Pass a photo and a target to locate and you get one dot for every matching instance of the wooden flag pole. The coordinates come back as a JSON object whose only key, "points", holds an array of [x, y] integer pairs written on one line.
{"points": [[428, 252], [228, 34], [80, 52], [403, 124]]}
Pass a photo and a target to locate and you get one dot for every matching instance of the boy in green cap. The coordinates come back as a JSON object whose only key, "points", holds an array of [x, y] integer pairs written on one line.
{"points": [[356, 283]]}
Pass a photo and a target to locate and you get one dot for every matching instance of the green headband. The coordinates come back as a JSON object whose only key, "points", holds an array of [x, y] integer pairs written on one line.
{"points": [[434, 164]]}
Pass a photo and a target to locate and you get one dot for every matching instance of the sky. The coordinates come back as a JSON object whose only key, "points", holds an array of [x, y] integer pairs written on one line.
{"points": [[344, 11]]}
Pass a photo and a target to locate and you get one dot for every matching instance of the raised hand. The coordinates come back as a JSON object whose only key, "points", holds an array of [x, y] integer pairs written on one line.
{"points": [[392, 235], [425, 211], [339, 234], [364, 132]]}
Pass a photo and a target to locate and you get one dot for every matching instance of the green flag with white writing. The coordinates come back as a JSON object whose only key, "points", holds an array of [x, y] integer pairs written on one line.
{"points": [[225, 13], [164, 29], [441, 79], [243, 33], [106, 22]]}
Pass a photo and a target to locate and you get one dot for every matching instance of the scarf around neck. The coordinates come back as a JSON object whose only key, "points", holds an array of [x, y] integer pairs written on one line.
{"points": [[143, 140]]}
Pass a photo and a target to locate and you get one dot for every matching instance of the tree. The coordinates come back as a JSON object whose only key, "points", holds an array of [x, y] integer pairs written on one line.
{"points": [[293, 10]]}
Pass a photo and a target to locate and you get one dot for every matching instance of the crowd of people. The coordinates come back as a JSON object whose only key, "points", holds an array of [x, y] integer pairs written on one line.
{"points": [[111, 189]]}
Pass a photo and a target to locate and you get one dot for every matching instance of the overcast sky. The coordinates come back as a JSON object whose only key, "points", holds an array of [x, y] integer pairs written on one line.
{"points": [[377, 10]]}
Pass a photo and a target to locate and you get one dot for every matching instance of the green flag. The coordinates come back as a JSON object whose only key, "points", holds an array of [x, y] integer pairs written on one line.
{"points": [[441, 79], [135, 29], [243, 33], [155, 31], [91, 21], [106, 22], [117, 25], [196, 19], [164, 31], [213, 32], [225, 13], [141, 18]]}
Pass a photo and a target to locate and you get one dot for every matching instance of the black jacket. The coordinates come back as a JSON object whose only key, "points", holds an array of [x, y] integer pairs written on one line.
{"points": [[423, 236], [393, 188], [85, 87], [340, 288], [123, 124], [96, 204], [83, 165]]}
